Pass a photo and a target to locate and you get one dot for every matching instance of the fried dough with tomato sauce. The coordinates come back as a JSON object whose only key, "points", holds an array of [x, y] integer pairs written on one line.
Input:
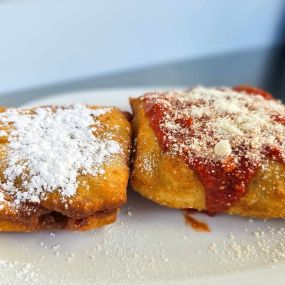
{"points": [[169, 181]]}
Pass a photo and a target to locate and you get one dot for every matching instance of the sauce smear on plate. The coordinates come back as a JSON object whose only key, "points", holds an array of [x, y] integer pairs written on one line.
{"points": [[194, 223]]}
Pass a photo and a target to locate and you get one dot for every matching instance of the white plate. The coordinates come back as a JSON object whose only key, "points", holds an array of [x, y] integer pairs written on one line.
{"points": [[151, 245]]}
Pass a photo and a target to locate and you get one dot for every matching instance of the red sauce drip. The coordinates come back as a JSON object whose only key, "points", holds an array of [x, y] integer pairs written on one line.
{"points": [[280, 120], [274, 153], [253, 91], [225, 182], [194, 223]]}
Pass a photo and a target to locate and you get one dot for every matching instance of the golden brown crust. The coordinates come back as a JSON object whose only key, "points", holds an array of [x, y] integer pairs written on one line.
{"points": [[58, 221], [97, 198], [169, 181], [105, 193]]}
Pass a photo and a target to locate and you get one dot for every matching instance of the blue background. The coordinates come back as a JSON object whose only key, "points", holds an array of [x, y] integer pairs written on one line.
{"points": [[49, 41]]}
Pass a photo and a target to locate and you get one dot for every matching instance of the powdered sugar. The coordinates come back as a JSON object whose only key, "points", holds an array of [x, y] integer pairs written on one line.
{"points": [[49, 147], [3, 133]]}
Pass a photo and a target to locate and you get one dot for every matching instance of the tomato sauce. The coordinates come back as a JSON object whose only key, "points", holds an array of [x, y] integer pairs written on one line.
{"points": [[194, 223], [226, 181]]}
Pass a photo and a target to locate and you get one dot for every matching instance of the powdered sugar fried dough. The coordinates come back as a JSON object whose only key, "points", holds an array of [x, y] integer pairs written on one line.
{"points": [[49, 147]]}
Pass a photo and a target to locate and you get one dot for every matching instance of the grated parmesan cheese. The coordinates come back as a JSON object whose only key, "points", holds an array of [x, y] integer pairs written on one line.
{"points": [[224, 122], [223, 148]]}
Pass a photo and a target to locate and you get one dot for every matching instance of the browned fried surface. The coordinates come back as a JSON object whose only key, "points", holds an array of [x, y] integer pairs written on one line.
{"points": [[169, 181], [97, 199], [56, 220]]}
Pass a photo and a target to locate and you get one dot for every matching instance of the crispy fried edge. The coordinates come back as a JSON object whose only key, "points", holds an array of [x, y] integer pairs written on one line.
{"points": [[93, 221]]}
